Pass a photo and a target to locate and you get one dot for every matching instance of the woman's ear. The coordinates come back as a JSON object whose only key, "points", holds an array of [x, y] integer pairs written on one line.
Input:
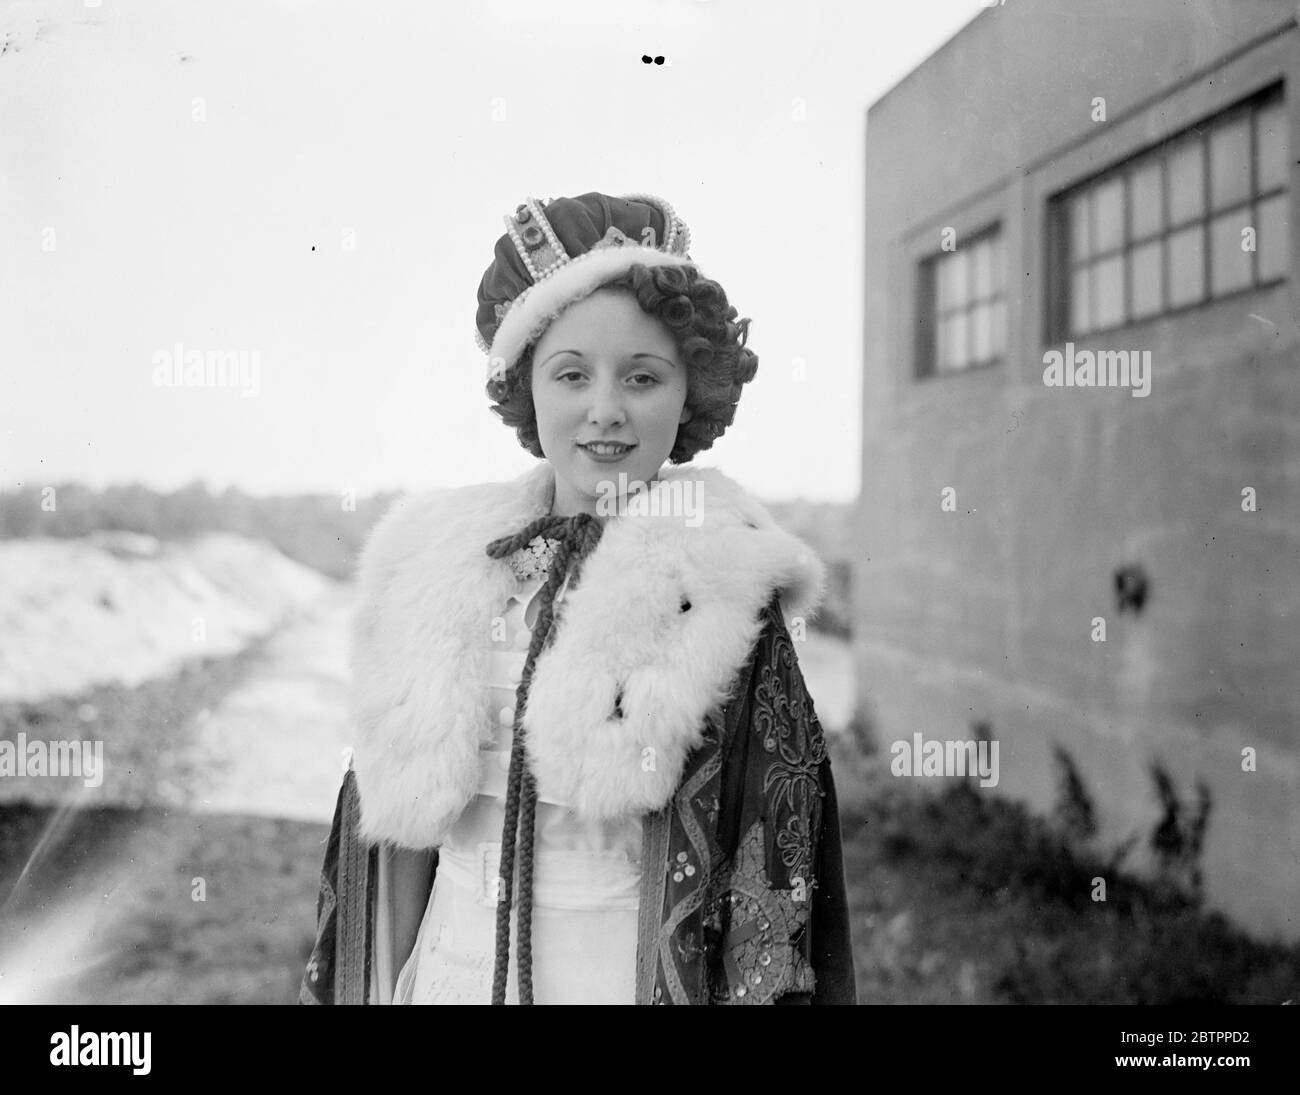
{"points": [[686, 415]]}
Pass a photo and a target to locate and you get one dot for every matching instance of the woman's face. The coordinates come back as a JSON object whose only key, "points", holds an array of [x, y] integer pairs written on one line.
{"points": [[606, 371]]}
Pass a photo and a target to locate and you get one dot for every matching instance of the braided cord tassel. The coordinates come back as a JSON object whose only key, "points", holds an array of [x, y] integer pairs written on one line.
{"points": [[578, 535], [524, 940]]}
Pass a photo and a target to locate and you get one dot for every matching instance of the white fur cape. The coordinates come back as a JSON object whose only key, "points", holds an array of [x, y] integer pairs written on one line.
{"points": [[429, 594]]}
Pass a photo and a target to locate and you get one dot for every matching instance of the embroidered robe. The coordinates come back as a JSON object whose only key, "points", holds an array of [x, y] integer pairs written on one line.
{"points": [[674, 645]]}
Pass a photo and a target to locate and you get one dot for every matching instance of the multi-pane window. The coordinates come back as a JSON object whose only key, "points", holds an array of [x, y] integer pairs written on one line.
{"points": [[963, 306], [1202, 216]]}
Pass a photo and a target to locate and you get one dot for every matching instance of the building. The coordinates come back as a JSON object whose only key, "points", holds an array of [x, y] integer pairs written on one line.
{"points": [[1091, 565]]}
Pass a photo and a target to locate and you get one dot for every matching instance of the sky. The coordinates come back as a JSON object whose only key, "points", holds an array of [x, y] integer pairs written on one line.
{"points": [[319, 187]]}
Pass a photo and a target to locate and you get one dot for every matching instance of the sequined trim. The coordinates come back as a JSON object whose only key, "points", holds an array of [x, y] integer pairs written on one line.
{"points": [[759, 926]]}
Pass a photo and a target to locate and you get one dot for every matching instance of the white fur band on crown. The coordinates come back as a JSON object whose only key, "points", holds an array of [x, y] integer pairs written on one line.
{"points": [[535, 308]]}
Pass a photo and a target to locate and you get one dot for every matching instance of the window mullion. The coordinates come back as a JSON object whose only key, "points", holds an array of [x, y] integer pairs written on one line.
{"points": [[1166, 216], [1126, 242], [1253, 197], [1207, 209]]}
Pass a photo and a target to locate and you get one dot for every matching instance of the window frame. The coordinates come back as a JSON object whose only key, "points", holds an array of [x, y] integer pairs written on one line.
{"points": [[1062, 265], [925, 352]]}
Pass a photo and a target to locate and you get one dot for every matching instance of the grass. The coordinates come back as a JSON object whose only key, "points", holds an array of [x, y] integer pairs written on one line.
{"points": [[959, 896]]}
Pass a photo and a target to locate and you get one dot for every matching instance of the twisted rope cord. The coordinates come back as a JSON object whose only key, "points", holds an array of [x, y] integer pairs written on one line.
{"points": [[578, 536]]}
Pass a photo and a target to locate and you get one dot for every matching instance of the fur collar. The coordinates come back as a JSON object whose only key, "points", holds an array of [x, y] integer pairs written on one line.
{"points": [[428, 595]]}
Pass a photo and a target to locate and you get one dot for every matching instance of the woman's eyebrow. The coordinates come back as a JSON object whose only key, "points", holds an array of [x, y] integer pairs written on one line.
{"points": [[578, 353]]}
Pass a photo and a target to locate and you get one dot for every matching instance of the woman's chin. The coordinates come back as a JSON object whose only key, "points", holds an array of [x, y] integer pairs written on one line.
{"points": [[600, 486]]}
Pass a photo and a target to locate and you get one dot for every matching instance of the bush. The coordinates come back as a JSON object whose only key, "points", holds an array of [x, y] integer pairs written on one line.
{"points": [[988, 885]]}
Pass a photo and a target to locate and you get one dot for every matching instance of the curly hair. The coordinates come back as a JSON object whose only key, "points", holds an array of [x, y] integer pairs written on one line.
{"points": [[710, 341]]}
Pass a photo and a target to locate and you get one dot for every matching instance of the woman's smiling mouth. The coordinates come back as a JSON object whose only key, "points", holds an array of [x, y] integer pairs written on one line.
{"points": [[606, 452]]}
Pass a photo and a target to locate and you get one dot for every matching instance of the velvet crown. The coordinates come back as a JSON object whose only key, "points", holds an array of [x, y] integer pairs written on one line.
{"points": [[557, 252]]}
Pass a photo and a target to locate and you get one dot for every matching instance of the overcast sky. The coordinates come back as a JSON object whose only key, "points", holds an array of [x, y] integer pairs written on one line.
{"points": [[323, 183]]}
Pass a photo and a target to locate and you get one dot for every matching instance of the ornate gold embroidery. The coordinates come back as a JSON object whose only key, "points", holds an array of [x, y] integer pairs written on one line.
{"points": [[760, 926], [735, 929], [789, 728]]}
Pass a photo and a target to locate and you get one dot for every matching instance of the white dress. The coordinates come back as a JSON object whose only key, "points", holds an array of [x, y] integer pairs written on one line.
{"points": [[586, 876]]}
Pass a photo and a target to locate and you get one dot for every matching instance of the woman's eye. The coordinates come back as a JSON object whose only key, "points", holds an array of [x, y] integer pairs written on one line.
{"points": [[639, 376]]}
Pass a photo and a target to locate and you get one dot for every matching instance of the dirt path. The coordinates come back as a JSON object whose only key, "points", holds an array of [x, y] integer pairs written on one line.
{"points": [[206, 895], [273, 746]]}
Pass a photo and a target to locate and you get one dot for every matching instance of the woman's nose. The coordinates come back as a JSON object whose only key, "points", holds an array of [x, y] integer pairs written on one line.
{"points": [[606, 404]]}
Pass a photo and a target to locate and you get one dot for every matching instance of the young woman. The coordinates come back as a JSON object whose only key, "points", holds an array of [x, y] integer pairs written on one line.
{"points": [[586, 767]]}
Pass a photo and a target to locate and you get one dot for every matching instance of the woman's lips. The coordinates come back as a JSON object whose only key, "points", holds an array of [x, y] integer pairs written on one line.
{"points": [[610, 458]]}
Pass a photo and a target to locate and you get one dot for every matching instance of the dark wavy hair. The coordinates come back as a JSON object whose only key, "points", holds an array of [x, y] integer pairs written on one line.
{"points": [[710, 341]]}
